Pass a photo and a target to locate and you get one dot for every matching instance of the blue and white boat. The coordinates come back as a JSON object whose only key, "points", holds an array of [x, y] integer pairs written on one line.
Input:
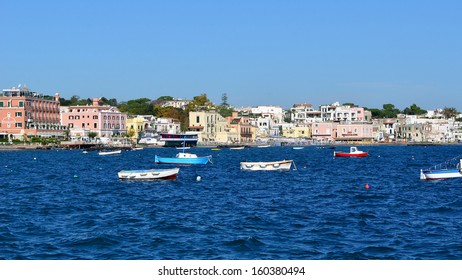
{"points": [[446, 170], [184, 159]]}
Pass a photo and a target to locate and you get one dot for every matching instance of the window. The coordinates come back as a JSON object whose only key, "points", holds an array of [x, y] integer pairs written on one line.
{"points": [[1, 103], [95, 117], [18, 114], [95, 125], [18, 124], [21, 103], [197, 119]]}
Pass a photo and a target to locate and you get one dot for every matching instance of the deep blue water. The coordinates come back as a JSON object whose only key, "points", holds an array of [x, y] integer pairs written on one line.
{"points": [[70, 205]]}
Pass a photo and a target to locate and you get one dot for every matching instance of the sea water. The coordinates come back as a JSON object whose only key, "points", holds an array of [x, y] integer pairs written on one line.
{"points": [[60, 204]]}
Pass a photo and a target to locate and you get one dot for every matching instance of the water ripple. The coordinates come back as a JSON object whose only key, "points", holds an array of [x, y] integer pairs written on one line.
{"points": [[68, 205]]}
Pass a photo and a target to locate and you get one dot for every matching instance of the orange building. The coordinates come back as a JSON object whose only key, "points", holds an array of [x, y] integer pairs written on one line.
{"points": [[24, 113]]}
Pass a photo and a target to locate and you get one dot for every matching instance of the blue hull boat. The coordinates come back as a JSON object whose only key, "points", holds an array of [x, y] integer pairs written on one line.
{"points": [[184, 159]]}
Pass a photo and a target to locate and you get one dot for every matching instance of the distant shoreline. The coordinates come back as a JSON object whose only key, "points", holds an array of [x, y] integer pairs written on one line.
{"points": [[22, 147]]}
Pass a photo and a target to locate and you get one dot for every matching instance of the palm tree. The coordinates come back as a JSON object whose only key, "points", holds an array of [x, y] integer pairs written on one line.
{"points": [[450, 112]]}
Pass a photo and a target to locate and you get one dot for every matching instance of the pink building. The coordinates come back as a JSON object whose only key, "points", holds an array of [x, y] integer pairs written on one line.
{"points": [[354, 132], [333, 131], [104, 120], [324, 131]]}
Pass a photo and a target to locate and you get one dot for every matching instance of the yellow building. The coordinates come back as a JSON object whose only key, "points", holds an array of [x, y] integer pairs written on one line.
{"points": [[135, 125], [207, 124], [298, 132], [213, 128]]}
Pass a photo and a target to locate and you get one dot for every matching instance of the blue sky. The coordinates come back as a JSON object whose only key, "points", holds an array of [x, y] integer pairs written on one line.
{"points": [[257, 52]]}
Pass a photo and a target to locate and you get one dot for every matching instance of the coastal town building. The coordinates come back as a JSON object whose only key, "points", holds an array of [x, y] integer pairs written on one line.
{"points": [[136, 125], [207, 124], [298, 132], [329, 132], [104, 120], [265, 126], [323, 132], [345, 113], [416, 132], [175, 103], [273, 112], [354, 132], [385, 129], [25, 113], [165, 125], [304, 113], [246, 132]]}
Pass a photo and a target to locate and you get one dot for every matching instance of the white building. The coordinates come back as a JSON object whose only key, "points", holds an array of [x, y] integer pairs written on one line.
{"points": [[304, 113], [345, 113], [274, 112], [176, 103], [166, 125]]}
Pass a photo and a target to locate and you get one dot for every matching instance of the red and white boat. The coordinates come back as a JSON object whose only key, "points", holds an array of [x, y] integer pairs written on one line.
{"points": [[354, 152]]}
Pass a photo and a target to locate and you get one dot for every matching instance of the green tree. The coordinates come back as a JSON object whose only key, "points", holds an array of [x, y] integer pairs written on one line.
{"points": [[376, 113], [110, 102], [64, 102], [74, 100], [414, 110], [140, 106], [225, 111], [83, 102], [200, 102], [389, 111], [224, 100], [161, 100], [165, 97], [174, 113]]}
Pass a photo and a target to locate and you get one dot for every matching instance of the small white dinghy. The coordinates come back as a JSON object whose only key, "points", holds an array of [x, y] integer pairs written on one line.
{"points": [[150, 174], [267, 165], [106, 153]]}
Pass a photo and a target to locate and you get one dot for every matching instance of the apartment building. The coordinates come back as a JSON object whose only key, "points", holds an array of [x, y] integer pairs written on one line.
{"points": [[25, 113], [304, 113], [104, 120]]}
